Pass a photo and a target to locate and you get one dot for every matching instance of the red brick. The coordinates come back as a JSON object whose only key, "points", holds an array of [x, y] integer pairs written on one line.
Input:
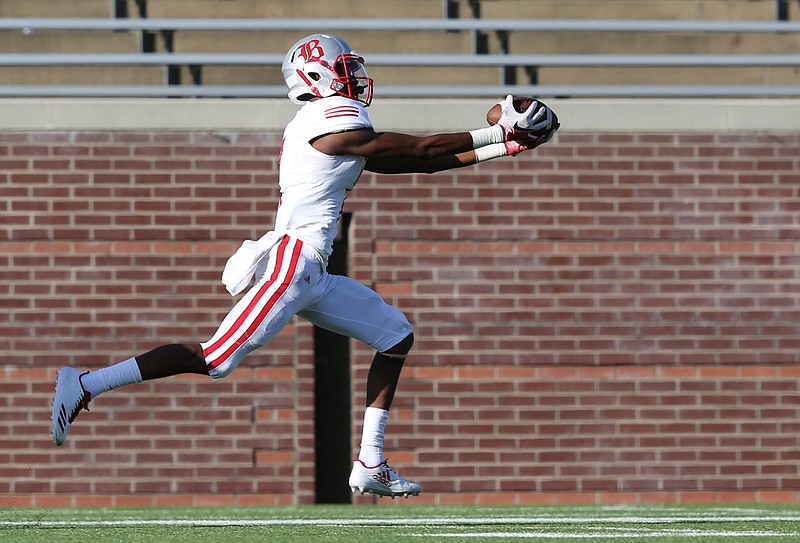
{"points": [[636, 311]]}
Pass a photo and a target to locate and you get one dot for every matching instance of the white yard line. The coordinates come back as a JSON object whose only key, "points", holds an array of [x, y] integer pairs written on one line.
{"points": [[632, 535], [409, 522]]}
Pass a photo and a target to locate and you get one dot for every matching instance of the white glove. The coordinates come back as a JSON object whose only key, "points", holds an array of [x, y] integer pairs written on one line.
{"points": [[542, 121], [515, 123]]}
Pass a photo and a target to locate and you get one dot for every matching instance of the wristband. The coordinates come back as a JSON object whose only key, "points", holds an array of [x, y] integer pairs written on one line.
{"points": [[485, 136], [488, 152]]}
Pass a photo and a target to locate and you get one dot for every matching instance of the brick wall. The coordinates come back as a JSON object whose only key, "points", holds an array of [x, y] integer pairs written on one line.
{"points": [[613, 318]]}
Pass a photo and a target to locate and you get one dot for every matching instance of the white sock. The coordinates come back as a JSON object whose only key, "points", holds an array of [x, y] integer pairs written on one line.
{"points": [[102, 380], [372, 436]]}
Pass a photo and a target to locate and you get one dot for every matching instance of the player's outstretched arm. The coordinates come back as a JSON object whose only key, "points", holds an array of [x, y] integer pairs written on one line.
{"points": [[412, 165], [393, 152], [391, 145]]}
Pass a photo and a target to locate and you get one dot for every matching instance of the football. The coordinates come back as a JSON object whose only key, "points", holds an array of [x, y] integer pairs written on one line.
{"points": [[521, 103]]}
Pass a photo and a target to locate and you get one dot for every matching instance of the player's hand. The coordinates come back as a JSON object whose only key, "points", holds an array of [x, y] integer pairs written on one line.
{"points": [[546, 121], [516, 124], [549, 134], [517, 146]]}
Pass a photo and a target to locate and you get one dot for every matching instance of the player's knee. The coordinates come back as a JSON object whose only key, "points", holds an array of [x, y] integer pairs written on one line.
{"points": [[221, 363], [221, 371]]}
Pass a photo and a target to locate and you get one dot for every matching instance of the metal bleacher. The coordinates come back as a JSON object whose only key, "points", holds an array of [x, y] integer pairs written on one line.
{"points": [[415, 48]]}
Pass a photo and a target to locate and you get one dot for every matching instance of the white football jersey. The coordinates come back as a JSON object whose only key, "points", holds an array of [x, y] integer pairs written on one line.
{"points": [[314, 185]]}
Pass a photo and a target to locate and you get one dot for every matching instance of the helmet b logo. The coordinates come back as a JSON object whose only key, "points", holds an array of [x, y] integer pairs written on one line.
{"points": [[311, 50]]}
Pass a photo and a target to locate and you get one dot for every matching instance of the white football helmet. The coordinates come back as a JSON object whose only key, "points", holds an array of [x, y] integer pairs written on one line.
{"points": [[321, 65]]}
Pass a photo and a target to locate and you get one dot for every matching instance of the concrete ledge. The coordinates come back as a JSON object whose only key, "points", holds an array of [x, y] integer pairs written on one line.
{"points": [[411, 115]]}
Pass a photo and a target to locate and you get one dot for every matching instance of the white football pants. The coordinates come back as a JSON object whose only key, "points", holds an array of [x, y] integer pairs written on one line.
{"points": [[294, 283]]}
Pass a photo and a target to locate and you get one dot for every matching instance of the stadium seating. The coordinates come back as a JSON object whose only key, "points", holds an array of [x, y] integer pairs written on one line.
{"points": [[54, 8], [275, 9], [476, 42], [689, 10]]}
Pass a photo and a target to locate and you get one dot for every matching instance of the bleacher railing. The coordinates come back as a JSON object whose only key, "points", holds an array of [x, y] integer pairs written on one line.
{"points": [[502, 61]]}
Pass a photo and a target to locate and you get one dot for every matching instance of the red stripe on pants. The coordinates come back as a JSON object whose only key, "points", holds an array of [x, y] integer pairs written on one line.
{"points": [[236, 328]]}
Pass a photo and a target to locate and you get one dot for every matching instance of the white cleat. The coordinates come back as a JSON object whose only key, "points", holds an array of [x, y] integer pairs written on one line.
{"points": [[381, 480], [71, 398]]}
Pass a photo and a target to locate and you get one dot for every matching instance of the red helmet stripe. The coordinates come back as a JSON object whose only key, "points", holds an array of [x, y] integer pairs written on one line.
{"points": [[306, 80]]}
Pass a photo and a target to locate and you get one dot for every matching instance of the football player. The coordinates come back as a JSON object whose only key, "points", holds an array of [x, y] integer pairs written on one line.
{"points": [[327, 145]]}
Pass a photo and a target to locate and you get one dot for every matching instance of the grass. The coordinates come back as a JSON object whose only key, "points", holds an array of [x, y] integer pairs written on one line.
{"points": [[417, 524]]}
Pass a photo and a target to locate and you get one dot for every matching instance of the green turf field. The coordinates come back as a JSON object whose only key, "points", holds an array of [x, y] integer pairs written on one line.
{"points": [[417, 524]]}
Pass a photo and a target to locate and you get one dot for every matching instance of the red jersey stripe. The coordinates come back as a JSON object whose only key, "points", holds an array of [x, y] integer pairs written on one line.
{"points": [[341, 111], [341, 115]]}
